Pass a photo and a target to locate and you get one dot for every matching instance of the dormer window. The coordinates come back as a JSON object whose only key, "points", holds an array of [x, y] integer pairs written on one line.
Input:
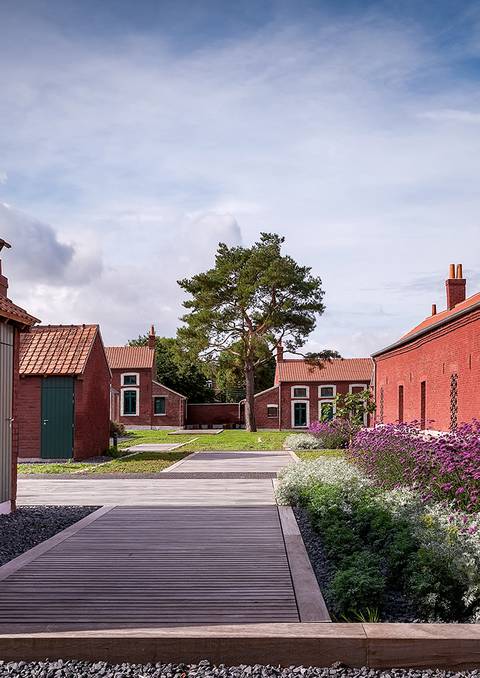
{"points": [[130, 379]]}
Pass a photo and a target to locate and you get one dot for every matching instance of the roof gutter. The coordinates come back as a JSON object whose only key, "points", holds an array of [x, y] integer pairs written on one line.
{"points": [[427, 330]]}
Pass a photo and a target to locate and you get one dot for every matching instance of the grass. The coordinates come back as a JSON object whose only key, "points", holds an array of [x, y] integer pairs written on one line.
{"points": [[67, 467], [143, 462], [310, 455], [227, 440]]}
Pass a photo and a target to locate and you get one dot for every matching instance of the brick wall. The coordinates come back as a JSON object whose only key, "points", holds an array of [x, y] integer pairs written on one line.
{"points": [[174, 407], [210, 414], [262, 419], [144, 417], [454, 349], [16, 378], [29, 416], [92, 406]]}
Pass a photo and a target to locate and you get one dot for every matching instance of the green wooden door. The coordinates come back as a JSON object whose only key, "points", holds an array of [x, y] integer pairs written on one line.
{"points": [[57, 418]]}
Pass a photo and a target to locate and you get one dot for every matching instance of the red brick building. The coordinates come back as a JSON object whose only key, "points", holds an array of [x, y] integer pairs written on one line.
{"points": [[64, 403], [432, 373], [143, 401], [13, 321], [302, 394]]}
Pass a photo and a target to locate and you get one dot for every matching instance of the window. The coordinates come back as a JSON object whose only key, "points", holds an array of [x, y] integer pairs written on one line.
{"points": [[130, 379], [299, 391], [159, 405], [400, 404], [272, 411], [326, 410], [327, 391], [300, 414], [423, 404], [129, 402]]}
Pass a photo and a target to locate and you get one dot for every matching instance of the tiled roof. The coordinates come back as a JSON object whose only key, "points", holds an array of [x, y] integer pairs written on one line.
{"points": [[56, 349], [340, 369], [130, 357], [13, 312], [434, 321]]}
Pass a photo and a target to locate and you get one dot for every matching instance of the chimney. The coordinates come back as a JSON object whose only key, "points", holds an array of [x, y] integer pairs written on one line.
{"points": [[3, 279], [456, 286], [434, 309], [152, 341], [279, 353]]}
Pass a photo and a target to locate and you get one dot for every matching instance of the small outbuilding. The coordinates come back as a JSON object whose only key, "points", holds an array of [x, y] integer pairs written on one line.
{"points": [[13, 321], [64, 393]]}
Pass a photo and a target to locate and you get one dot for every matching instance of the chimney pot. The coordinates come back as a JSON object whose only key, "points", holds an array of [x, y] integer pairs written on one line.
{"points": [[452, 271], [459, 271], [434, 309]]}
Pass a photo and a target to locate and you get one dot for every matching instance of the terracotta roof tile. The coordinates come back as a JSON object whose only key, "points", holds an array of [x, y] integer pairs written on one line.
{"points": [[127, 357], [343, 369], [56, 349], [13, 312]]}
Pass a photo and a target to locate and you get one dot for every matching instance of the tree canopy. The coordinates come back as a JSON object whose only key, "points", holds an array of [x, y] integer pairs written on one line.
{"points": [[254, 299]]}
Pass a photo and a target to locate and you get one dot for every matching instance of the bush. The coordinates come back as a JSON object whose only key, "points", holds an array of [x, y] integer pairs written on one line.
{"points": [[439, 467], [379, 540], [332, 435], [301, 441]]}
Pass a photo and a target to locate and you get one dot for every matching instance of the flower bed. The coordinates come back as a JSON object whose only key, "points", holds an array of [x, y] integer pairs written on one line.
{"points": [[389, 555], [440, 467]]}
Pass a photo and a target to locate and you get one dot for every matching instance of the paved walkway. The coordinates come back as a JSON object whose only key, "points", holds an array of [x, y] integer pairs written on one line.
{"points": [[181, 551]]}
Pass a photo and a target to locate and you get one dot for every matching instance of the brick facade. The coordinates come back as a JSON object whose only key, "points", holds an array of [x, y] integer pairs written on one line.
{"points": [[175, 406], [448, 361], [431, 374], [29, 417]]}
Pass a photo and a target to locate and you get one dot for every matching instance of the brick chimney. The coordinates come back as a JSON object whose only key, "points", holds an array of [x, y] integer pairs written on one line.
{"points": [[279, 353], [456, 286], [3, 279], [152, 340]]}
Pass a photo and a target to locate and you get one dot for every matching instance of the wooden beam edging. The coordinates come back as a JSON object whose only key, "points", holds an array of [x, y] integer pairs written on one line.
{"points": [[180, 461], [310, 602], [44, 546], [378, 646]]}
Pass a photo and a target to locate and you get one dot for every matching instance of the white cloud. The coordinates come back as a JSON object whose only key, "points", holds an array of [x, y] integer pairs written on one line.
{"points": [[143, 158]]}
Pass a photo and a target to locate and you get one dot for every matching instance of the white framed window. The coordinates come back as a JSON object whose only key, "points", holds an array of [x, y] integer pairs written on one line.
{"points": [[327, 391], [272, 411], [159, 406], [130, 402], [326, 410], [130, 379], [358, 388], [300, 392], [300, 414]]}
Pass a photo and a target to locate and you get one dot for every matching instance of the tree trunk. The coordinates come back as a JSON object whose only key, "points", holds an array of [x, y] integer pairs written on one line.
{"points": [[250, 424]]}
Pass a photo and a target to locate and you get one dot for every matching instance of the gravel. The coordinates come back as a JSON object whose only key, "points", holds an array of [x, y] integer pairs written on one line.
{"points": [[79, 669], [28, 526], [395, 607]]}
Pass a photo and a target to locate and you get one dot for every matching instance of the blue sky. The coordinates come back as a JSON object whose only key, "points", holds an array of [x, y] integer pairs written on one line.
{"points": [[136, 135]]}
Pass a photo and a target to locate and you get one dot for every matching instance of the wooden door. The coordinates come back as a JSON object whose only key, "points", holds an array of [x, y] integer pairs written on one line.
{"points": [[6, 410], [57, 418]]}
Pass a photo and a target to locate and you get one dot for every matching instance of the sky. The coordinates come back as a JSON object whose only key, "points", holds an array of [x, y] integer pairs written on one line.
{"points": [[135, 136]]}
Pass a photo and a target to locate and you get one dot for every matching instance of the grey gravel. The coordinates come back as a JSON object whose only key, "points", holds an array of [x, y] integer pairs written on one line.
{"points": [[79, 669], [30, 525]]}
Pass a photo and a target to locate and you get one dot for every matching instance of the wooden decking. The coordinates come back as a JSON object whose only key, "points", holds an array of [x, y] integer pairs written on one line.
{"points": [[177, 552]]}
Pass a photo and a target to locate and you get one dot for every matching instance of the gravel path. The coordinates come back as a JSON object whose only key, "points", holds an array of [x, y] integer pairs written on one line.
{"points": [[28, 526], [77, 669]]}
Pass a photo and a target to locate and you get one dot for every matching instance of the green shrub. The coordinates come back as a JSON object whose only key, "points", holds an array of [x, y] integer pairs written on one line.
{"points": [[358, 584], [302, 441]]}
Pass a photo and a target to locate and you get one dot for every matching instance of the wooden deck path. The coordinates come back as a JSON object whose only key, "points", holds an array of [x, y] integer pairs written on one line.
{"points": [[176, 552], [233, 462]]}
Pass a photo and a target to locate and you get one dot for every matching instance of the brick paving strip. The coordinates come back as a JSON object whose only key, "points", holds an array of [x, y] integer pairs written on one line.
{"points": [[189, 569]]}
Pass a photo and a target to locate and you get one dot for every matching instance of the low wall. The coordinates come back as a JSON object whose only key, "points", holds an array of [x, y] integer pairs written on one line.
{"points": [[213, 414]]}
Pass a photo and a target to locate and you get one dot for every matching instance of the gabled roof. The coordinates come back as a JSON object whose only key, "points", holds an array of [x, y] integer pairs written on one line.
{"points": [[13, 312], [167, 388], [130, 357], [435, 321], [56, 350], [339, 369]]}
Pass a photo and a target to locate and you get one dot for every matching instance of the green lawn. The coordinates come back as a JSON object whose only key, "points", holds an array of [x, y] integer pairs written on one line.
{"points": [[309, 455], [143, 462], [67, 467], [227, 440]]}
